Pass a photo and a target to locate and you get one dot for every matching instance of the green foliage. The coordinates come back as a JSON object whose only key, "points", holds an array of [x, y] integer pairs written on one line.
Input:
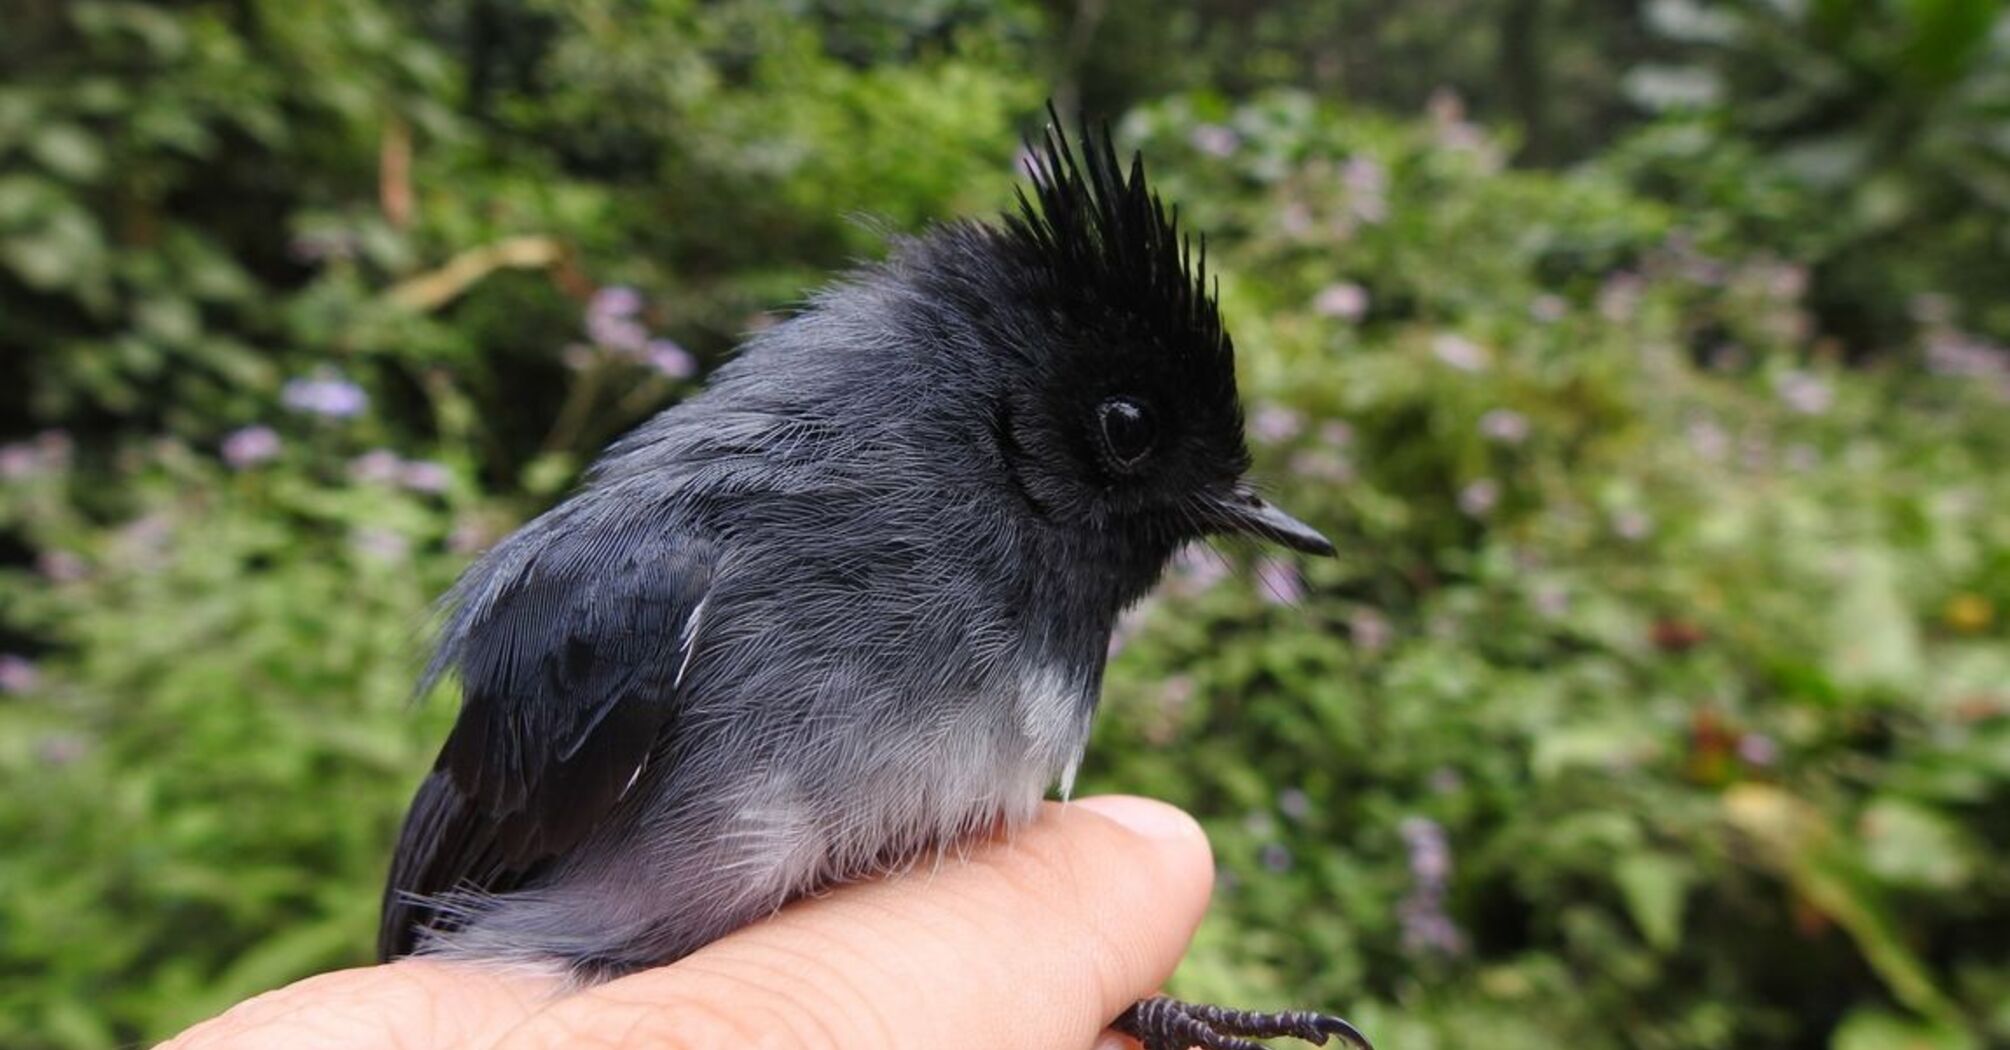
{"points": [[1656, 699]]}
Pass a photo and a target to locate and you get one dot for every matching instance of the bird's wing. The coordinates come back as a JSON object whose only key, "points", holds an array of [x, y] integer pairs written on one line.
{"points": [[570, 661]]}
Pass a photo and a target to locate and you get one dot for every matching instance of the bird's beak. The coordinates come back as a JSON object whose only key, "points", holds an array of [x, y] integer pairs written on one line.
{"points": [[1243, 511]]}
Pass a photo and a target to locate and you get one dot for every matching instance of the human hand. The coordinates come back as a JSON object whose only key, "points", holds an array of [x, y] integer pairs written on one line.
{"points": [[1035, 942]]}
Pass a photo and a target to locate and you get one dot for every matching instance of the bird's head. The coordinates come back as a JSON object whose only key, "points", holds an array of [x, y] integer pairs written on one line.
{"points": [[1117, 410]]}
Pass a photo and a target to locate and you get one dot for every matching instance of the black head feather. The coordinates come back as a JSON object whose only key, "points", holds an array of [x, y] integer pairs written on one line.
{"points": [[1108, 239]]}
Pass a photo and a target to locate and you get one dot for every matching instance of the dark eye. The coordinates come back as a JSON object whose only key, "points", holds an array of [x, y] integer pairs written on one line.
{"points": [[1128, 429]]}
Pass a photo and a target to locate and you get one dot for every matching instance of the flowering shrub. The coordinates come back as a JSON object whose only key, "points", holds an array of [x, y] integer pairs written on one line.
{"points": [[1657, 697]]}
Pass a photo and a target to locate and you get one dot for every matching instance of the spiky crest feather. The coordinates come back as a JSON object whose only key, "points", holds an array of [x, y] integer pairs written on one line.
{"points": [[1109, 240]]}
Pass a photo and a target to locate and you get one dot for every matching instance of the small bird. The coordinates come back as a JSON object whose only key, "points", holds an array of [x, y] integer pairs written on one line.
{"points": [[847, 607]]}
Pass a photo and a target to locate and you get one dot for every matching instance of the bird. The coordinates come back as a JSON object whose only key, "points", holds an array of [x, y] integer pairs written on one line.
{"points": [[848, 606]]}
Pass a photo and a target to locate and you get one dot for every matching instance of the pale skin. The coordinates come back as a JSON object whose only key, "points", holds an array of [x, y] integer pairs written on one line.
{"points": [[1035, 941]]}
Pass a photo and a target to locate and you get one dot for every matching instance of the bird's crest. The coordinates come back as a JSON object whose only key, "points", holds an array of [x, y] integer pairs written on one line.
{"points": [[1107, 238]]}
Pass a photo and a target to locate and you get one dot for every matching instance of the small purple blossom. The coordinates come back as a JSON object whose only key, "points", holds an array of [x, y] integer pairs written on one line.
{"points": [[1364, 175], [1278, 582], [47, 453], [61, 566], [1459, 352], [1758, 750], [1215, 140], [1807, 394], [1294, 803], [18, 674], [425, 476], [1548, 308], [19, 461], [1337, 433], [1709, 440], [1619, 297], [379, 466], [470, 535], [615, 300], [670, 359], [1479, 498], [380, 544], [1323, 465], [330, 397], [1275, 424], [1504, 425], [1631, 524], [1551, 599], [247, 447], [1426, 926], [1275, 857], [1342, 299], [62, 749], [1445, 780], [1370, 630]]}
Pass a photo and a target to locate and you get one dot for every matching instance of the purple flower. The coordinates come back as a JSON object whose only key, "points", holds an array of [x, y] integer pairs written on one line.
{"points": [[380, 544], [1548, 308], [670, 359], [1294, 804], [1550, 599], [62, 749], [18, 674], [1709, 440], [1758, 750], [1275, 857], [1805, 393], [1342, 299], [425, 476], [1215, 140], [1337, 433], [1275, 424], [1278, 582], [379, 466], [1459, 352], [1504, 425], [1323, 465], [19, 461], [61, 566], [330, 397], [1445, 780], [1479, 498], [1632, 525], [1426, 927], [1364, 175], [247, 447], [1619, 297], [615, 300], [1370, 630]]}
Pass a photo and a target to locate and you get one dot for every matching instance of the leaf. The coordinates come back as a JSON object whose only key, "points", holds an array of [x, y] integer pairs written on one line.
{"points": [[1872, 1029], [69, 151], [1655, 887], [1910, 845]]}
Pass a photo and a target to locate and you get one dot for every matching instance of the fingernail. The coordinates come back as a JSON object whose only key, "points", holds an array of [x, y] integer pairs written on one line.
{"points": [[1142, 816]]}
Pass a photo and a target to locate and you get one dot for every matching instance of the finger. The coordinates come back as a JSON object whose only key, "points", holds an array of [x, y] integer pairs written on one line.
{"points": [[1036, 941], [413, 1003]]}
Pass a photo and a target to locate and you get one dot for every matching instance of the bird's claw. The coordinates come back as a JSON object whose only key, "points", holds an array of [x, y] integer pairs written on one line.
{"points": [[1168, 1024]]}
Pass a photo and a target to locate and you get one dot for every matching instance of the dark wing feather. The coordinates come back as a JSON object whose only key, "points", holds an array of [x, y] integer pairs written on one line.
{"points": [[569, 671]]}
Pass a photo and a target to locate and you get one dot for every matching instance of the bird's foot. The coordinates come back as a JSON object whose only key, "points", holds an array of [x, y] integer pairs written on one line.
{"points": [[1168, 1024]]}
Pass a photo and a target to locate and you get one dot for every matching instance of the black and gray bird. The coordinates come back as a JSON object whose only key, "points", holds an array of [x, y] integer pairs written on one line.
{"points": [[845, 608]]}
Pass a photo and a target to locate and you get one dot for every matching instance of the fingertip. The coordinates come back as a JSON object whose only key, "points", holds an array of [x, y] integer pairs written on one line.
{"points": [[1147, 817]]}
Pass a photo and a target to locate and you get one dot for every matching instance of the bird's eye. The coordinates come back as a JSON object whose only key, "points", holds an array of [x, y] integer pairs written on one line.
{"points": [[1128, 429]]}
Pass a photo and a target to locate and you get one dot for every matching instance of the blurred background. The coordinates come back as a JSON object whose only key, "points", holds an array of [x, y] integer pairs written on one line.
{"points": [[1646, 359]]}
